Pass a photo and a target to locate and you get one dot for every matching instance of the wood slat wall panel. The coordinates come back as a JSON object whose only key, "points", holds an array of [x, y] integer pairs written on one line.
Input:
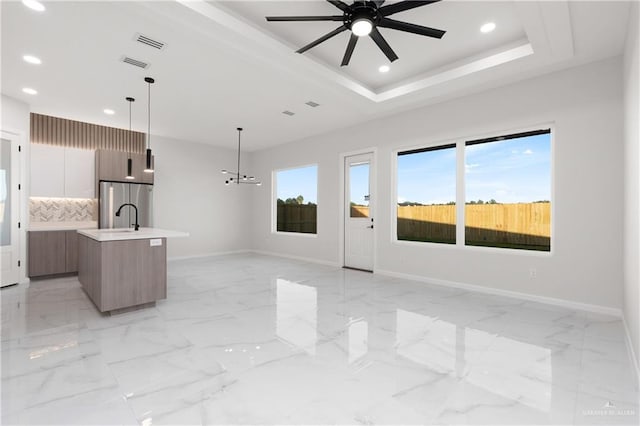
{"points": [[77, 134]]}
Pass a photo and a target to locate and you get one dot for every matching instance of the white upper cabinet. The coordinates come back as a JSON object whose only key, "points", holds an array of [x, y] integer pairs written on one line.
{"points": [[62, 172], [79, 173], [47, 171]]}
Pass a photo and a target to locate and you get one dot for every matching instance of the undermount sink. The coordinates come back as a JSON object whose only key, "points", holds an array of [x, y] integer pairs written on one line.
{"points": [[117, 231]]}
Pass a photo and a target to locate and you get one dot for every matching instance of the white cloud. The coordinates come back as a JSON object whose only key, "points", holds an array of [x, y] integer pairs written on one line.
{"points": [[528, 152], [468, 167]]}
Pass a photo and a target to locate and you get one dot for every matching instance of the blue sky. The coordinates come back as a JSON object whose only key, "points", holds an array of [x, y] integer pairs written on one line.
{"points": [[427, 177], [510, 171], [359, 182], [301, 181]]}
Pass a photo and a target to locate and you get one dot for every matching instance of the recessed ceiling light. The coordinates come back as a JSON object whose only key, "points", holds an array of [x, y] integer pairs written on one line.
{"points": [[488, 27], [34, 4], [32, 59], [108, 111], [384, 68], [30, 91]]}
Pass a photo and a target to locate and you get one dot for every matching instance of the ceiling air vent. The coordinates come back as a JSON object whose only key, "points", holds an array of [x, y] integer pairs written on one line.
{"points": [[288, 113], [141, 38], [135, 62], [312, 104]]}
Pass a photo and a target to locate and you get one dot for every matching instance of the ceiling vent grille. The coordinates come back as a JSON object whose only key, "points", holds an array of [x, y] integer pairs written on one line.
{"points": [[135, 62], [288, 113], [141, 38], [312, 104]]}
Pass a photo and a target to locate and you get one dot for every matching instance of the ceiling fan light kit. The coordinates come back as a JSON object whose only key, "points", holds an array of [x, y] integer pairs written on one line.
{"points": [[364, 18], [362, 27]]}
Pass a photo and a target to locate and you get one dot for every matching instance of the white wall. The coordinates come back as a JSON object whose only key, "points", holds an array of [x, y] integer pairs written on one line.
{"points": [[14, 118], [632, 183], [586, 265], [190, 195]]}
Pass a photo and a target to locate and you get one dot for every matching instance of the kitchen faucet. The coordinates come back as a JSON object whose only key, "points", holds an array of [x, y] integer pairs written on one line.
{"points": [[137, 226]]}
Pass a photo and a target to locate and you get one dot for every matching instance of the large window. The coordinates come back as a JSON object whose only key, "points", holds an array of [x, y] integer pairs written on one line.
{"points": [[508, 191], [297, 200], [426, 195], [506, 202]]}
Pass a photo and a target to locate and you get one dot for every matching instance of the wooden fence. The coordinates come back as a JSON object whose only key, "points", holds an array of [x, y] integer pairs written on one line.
{"points": [[526, 225], [297, 218]]}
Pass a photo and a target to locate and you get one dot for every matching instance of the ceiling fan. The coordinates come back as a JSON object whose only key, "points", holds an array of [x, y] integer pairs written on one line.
{"points": [[363, 18]]}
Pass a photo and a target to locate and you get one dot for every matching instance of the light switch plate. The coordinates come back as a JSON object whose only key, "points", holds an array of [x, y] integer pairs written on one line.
{"points": [[155, 242]]}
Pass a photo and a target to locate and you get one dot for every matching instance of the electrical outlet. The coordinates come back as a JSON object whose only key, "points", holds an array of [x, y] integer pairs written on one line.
{"points": [[533, 273]]}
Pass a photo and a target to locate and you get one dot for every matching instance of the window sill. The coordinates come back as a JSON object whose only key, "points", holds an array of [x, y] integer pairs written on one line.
{"points": [[495, 250], [296, 234]]}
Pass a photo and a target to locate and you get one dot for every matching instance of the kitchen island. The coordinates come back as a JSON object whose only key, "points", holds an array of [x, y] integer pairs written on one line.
{"points": [[123, 269]]}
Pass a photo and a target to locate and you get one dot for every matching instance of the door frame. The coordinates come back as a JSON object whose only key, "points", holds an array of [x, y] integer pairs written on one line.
{"points": [[21, 198], [373, 184]]}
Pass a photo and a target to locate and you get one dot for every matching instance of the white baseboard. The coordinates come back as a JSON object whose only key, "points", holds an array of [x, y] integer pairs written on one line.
{"points": [[199, 256], [304, 259], [507, 293], [632, 352]]}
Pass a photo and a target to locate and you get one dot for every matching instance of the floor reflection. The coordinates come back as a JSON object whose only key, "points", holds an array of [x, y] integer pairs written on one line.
{"points": [[297, 314], [505, 367], [249, 339], [358, 339]]}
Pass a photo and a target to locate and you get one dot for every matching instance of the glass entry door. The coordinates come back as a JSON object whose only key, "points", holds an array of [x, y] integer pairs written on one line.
{"points": [[358, 244]]}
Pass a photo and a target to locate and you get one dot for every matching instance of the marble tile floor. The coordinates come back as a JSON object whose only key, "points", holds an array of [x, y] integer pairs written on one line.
{"points": [[253, 339]]}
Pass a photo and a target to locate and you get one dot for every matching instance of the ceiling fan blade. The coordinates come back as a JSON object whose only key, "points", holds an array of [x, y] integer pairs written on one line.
{"points": [[302, 18], [339, 4], [410, 28], [325, 37], [347, 54], [390, 9], [382, 44]]}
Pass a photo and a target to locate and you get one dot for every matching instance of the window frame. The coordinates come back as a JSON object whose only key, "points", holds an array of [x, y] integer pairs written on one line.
{"points": [[460, 143], [274, 201], [449, 143]]}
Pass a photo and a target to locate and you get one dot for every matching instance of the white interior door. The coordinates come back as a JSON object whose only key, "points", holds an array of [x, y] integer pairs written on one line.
{"points": [[9, 211], [358, 241]]}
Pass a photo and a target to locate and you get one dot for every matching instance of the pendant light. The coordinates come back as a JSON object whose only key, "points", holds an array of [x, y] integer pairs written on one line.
{"points": [[238, 179], [130, 160], [149, 160]]}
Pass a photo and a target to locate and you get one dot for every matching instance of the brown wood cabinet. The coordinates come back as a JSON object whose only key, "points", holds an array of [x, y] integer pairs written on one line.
{"points": [[122, 274], [112, 166], [47, 253], [71, 251], [139, 164], [52, 252]]}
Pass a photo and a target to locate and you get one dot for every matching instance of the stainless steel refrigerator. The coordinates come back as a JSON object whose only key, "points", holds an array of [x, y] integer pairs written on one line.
{"points": [[114, 194]]}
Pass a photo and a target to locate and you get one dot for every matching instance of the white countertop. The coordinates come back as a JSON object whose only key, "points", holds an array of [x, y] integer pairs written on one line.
{"points": [[61, 226], [118, 234]]}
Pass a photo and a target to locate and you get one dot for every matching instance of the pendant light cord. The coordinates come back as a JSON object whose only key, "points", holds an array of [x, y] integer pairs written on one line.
{"points": [[149, 115], [129, 128]]}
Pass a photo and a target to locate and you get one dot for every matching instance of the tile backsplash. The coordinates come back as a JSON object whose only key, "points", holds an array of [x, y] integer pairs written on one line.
{"points": [[63, 209]]}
